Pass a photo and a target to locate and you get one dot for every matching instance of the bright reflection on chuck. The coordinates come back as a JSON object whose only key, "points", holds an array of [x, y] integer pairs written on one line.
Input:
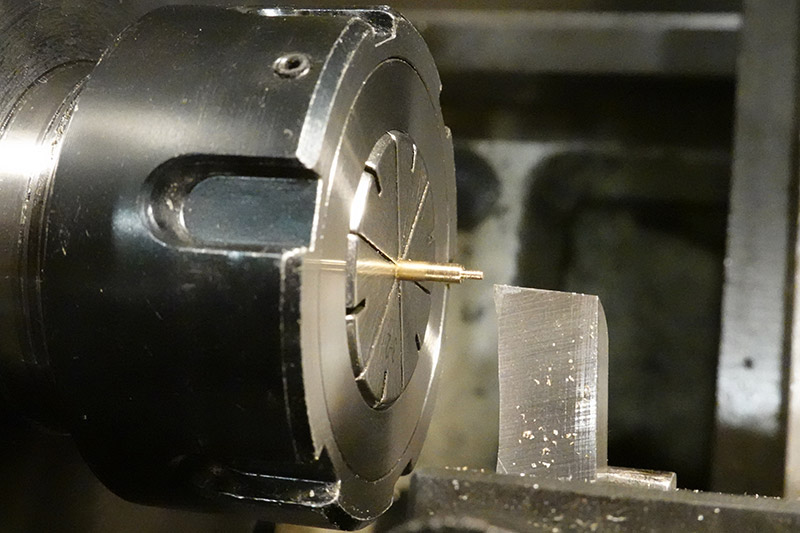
{"points": [[23, 158]]}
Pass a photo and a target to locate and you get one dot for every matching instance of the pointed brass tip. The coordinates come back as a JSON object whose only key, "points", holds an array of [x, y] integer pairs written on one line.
{"points": [[438, 272], [472, 274]]}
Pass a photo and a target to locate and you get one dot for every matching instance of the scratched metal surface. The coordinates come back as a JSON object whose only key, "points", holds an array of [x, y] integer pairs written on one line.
{"points": [[553, 369], [523, 503]]}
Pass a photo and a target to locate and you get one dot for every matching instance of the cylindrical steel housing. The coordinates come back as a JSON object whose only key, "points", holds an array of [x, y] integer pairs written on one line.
{"points": [[177, 257]]}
